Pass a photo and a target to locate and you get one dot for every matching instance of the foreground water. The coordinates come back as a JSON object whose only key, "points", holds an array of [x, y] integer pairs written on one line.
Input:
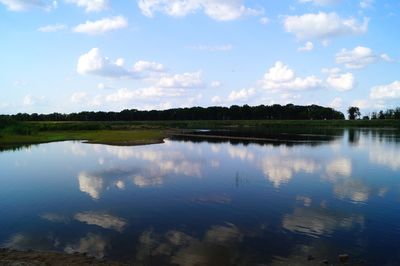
{"points": [[196, 202]]}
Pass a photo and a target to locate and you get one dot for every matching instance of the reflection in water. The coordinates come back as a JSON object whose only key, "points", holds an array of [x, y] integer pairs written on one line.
{"points": [[279, 170], [340, 167], [92, 244], [388, 155], [55, 218], [320, 222], [90, 184], [352, 189], [103, 220], [217, 247], [208, 203]]}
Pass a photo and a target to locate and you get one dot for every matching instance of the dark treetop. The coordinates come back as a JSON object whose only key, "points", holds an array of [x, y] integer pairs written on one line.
{"points": [[235, 112]]}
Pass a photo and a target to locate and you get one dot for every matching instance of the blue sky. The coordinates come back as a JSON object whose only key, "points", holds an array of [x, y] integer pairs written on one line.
{"points": [[74, 55]]}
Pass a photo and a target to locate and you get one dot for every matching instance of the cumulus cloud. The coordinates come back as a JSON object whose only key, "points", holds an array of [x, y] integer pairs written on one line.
{"points": [[222, 10], [281, 77], [52, 28], [91, 5], [359, 57], [185, 80], [241, 95], [336, 103], [308, 46], [94, 63], [323, 26], [387, 91], [22, 5], [216, 84], [30, 100], [216, 100], [102, 25], [338, 80], [142, 66]]}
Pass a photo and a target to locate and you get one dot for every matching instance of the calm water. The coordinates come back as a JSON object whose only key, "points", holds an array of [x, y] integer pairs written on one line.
{"points": [[197, 202]]}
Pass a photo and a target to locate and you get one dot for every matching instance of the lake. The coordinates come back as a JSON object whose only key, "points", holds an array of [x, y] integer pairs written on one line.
{"points": [[296, 199]]}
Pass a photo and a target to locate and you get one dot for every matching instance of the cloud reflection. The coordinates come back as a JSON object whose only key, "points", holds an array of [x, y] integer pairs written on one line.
{"points": [[103, 220], [280, 170], [316, 223], [178, 248], [92, 244], [90, 184]]}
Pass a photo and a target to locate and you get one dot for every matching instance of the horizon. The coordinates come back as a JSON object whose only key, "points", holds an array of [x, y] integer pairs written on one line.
{"points": [[67, 56]]}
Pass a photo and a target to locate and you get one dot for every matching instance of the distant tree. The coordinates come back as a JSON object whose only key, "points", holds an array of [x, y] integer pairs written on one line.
{"points": [[381, 115], [354, 112], [365, 117], [374, 116]]}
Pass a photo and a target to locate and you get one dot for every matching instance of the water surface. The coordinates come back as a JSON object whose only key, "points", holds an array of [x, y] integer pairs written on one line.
{"points": [[199, 201]]}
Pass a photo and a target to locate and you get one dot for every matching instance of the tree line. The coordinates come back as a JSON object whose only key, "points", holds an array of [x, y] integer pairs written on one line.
{"points": [[354, 113], [235, 112]]}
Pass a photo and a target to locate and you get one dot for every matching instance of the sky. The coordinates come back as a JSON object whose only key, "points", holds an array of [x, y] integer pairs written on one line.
{"points": [[109, 55]]}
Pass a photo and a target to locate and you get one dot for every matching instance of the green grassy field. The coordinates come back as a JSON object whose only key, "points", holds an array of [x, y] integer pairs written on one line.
{"points": [[111, 137], [14, 134]]}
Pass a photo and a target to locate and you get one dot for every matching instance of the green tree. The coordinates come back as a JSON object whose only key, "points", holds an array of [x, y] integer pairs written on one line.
{"points": [[354, 112]]}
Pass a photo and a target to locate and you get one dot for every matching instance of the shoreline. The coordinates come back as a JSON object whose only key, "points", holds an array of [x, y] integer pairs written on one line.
{"points": [[10, 257]]}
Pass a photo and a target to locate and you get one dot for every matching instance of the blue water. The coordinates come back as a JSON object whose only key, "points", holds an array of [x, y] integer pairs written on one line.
{"points": [[208, 203]]}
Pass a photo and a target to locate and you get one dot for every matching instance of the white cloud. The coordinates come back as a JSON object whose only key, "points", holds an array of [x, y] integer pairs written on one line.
{"points": [[125, 94], [216, 84], [308, 46], [387, 91], [213, 48], [323, 26], [264, 20], [142, 66], [359, 57], [365, 4], [216, 100], [94, 63], [91, 5], [167, 86], [27, 100], [222, 10], [281, 77], [30, 100], [52, 28], [341, 81], [102, 25], [78, 97], [22, 5], [241, 95], [336, 103], [185, 80]]}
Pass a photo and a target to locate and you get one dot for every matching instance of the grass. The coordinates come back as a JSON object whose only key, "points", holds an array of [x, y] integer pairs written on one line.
{"points": [[111, 137]]}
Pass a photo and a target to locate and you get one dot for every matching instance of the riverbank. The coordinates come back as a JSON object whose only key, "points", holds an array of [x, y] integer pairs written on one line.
{"points": [[36, 258], [17, 134], [109, 137]]}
